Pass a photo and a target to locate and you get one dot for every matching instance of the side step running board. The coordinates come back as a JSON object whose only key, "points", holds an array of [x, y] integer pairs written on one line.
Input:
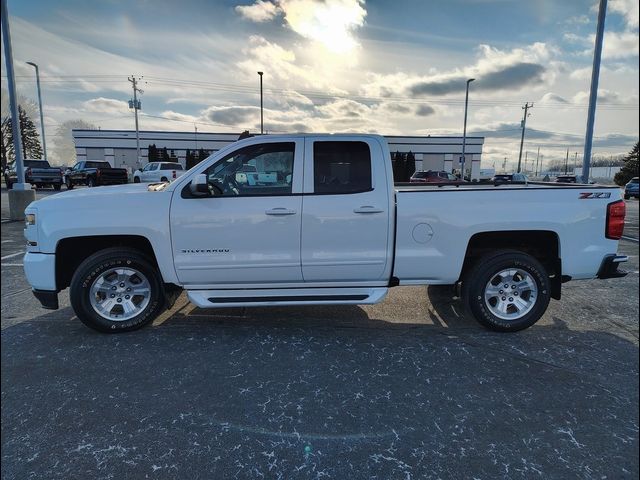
{"points": [[291, 296]]}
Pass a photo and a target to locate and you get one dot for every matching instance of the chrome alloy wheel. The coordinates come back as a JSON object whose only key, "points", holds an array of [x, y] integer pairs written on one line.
{"points": [[511, 294], [120, 294]]}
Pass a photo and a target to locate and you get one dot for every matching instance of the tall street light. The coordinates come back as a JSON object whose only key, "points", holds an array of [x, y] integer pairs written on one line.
{"points": [[261, 108], [44, 142], [464, 133]]}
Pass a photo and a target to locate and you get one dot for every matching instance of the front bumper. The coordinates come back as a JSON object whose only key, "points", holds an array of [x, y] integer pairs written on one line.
{"points": [[40, 270], [609, 267]]}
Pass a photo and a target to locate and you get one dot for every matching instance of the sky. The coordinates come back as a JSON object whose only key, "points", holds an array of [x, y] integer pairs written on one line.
{"points": [[394, 68]]}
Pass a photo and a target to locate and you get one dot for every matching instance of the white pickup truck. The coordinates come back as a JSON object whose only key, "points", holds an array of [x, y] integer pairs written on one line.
{"points": [[315, 219]]}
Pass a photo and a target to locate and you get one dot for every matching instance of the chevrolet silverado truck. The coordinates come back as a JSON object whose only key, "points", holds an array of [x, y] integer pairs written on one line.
{"points": [[94, 174], [316, 219]]}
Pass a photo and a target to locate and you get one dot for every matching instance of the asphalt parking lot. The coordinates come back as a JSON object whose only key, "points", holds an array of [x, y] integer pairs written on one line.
{"points": [[411, 388]]}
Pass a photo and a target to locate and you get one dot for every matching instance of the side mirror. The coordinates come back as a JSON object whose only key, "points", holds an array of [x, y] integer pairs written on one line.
{"points": [[199, 186]]}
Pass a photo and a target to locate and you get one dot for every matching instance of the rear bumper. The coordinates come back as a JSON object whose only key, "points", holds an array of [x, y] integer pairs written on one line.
{"points": [[609, 267], [48, 298]]}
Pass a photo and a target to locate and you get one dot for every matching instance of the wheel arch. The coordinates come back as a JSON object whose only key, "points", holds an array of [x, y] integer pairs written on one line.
{"points": [[72, 251], [543, 245]]}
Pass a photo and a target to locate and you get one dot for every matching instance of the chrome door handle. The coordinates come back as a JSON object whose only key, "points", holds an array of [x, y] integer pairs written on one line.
{"points": [[367, 209], [280, 211]]}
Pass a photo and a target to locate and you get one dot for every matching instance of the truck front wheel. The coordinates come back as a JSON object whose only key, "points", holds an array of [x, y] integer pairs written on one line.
{"points": [[117, 290], [507, 291]]}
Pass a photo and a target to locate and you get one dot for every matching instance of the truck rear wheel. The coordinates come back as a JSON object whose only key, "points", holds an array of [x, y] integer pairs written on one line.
{"points": [[117, 290], [91, 182], [507, 291]]}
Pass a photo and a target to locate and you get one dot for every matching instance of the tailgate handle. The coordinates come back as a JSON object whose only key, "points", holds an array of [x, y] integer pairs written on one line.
{"points": [[280, 211], [368, 209]]}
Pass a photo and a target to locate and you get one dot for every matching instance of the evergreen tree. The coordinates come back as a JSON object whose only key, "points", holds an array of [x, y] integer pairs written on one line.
{"points": [[244, 135], [190, 160], [31, 147], [202, 154], [30, 139], [6, 145], [409, 165], [630, 168], [165, 154], [152, 153]]}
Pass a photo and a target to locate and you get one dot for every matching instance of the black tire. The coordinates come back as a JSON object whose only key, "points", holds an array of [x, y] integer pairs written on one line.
{"points": [[69, 184], [136, 179], [627, 197], [477, 279], [91, 182], [91, 268], [164, 179], [57, 186]]}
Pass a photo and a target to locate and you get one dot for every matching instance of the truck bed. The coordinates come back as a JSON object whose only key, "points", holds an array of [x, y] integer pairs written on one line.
{"points": [[434, 221]]}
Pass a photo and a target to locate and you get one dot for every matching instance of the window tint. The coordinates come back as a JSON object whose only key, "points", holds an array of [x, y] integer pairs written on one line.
{"points": [[265, 169], [37, 164], [171, 166], [97, 165], [341, 167]]}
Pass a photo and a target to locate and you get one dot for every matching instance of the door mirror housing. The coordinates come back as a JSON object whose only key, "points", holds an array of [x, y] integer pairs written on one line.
{"points": [[200, 186]]}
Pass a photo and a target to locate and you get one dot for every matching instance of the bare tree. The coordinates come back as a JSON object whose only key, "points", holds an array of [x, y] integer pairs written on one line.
{"points": [[64, 149]]}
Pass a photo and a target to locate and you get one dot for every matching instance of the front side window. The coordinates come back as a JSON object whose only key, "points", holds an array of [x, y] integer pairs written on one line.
{"points": [[265, 169], [341, 167]]}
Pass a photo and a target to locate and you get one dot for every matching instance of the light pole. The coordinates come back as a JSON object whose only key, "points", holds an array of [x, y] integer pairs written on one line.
{"points": [[464, 132], [44, 143], [261, 108]]}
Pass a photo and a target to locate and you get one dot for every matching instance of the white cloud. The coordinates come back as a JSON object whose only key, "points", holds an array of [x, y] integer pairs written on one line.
{"points": [[106, 105], [261, 11], [331, 23], [627, 8]]}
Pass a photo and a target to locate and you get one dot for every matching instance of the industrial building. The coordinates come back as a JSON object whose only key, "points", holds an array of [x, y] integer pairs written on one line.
{"points": [[118, 147]]}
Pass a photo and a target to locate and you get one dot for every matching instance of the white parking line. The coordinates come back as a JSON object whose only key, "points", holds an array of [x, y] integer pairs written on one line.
{"points": [[631, 239], [7, 241], [11, 265], [11, 256]]}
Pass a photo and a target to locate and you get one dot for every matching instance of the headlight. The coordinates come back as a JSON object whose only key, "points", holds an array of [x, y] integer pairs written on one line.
{"points": [[30, 218]]}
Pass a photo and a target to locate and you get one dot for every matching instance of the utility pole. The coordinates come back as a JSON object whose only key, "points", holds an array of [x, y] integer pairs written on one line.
{"points": [[196, 135], [504, 165], [261, 106], [593, 95], [464, 132], [135, 104], [523, 125], [575, 162], [44, 143], [537, 158], [21, 193], [566, 162]]}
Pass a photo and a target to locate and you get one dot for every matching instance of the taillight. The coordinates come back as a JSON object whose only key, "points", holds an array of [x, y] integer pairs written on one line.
{"points": [[615, 220], [174, 174]]}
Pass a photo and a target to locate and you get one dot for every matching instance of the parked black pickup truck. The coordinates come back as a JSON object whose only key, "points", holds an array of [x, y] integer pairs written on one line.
{"points": [[94, 173], [36, 172]]}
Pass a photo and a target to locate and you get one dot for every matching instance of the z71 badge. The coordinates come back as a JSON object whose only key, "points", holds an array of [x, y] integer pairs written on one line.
{"points": [[585, 195]]}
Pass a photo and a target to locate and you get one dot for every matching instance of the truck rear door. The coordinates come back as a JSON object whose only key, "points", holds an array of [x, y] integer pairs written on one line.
{"points": [[346, 211]]}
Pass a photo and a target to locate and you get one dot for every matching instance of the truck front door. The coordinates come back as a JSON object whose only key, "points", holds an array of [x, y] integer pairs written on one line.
{"points": [[346, 212], [248, 232]]}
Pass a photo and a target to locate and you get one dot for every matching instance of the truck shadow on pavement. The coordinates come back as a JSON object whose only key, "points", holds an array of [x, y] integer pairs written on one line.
{"points": [[315, 389]]}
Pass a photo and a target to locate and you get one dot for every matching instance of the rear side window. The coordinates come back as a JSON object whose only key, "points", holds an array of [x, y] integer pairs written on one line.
{"points": [[97, 165], [171, 166], [37, 164], [341, 167]]}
